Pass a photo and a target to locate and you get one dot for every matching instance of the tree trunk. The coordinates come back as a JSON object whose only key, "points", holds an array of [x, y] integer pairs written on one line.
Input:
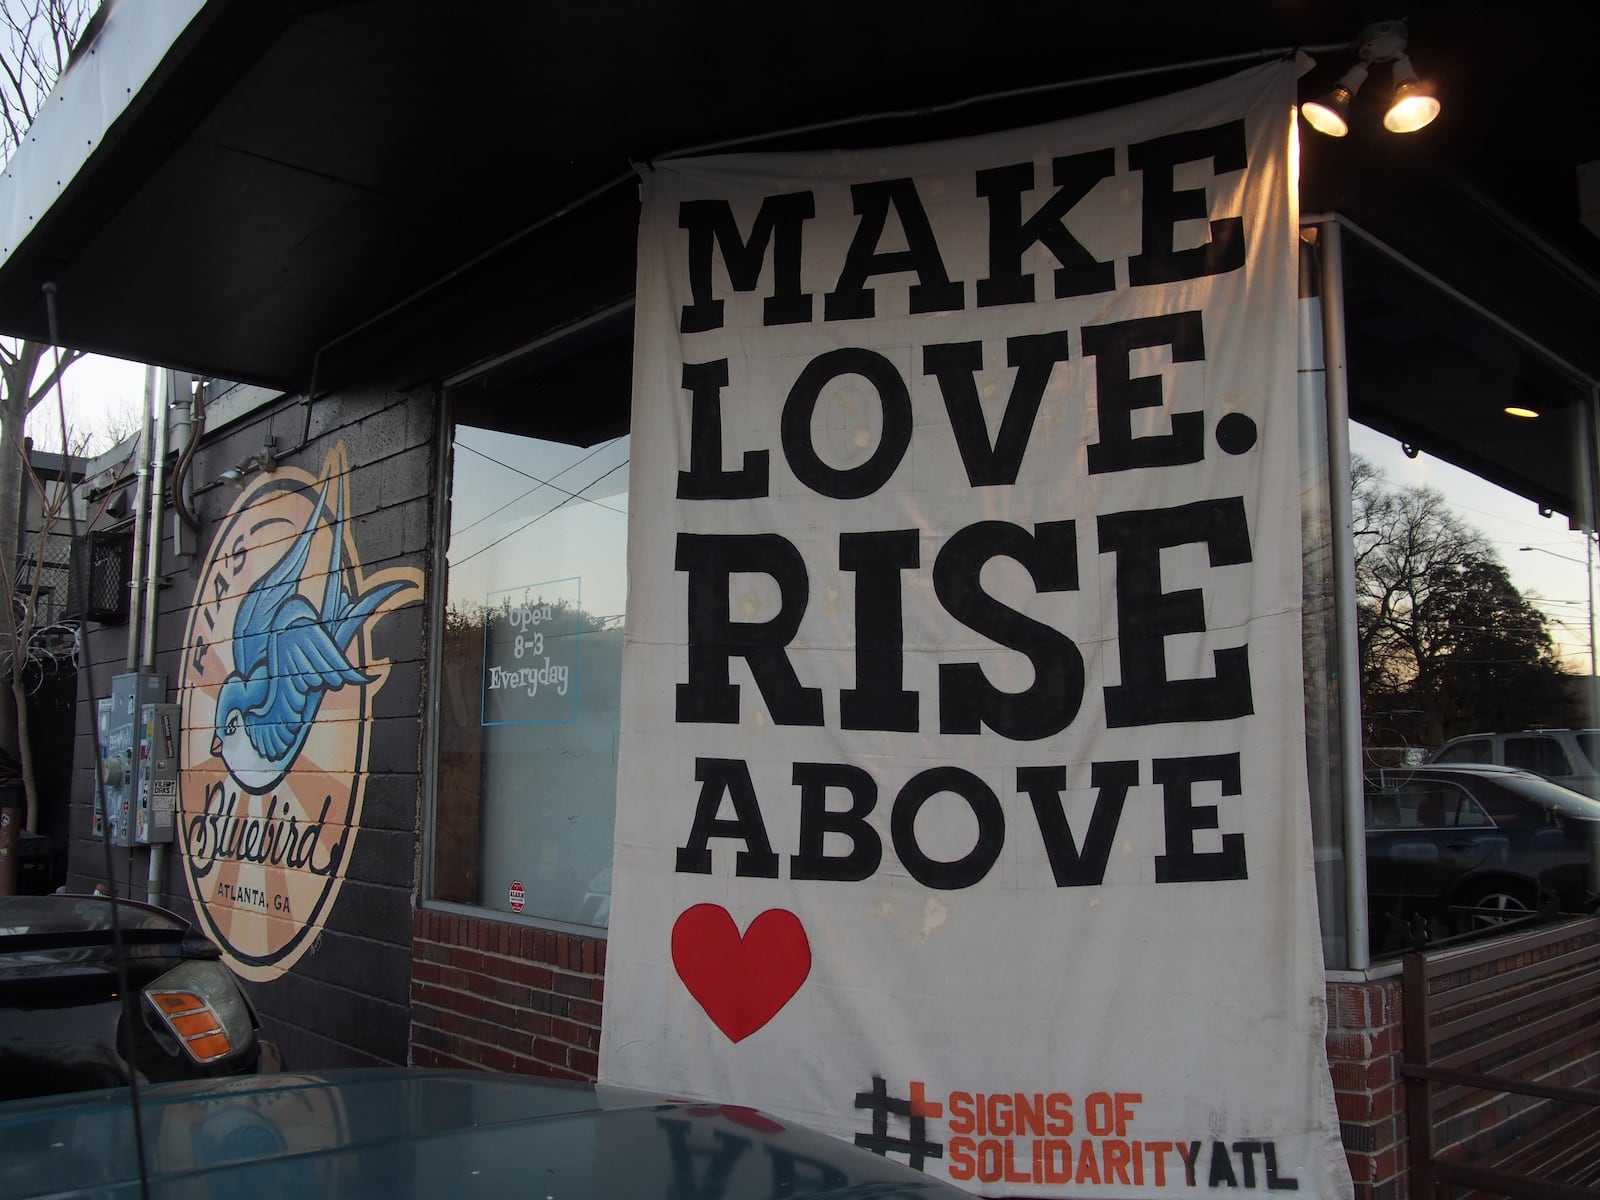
{"points": [[17, 374]]}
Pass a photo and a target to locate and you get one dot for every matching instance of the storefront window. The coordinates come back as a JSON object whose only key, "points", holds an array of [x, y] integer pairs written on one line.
{"points": [[530, 675], [1472, 484]]}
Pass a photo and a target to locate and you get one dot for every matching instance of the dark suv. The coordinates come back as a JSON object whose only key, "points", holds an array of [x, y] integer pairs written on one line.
{"points": [[1570, 757]]}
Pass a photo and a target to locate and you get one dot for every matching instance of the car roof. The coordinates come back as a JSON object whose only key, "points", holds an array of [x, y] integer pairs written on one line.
{"points": [[1530, 731], [405, 1132], [1454, 768], [1525, 783]]}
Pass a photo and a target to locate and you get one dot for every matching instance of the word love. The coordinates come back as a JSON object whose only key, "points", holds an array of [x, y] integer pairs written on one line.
{"points": [[1117, 396], [1071, 864]]}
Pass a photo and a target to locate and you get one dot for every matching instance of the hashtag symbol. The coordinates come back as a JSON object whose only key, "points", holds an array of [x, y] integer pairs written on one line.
{"points": [[916, 1110]]}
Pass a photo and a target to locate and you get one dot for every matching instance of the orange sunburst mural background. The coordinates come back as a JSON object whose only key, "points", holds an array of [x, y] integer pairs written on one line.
{"points": [[268, 823]]}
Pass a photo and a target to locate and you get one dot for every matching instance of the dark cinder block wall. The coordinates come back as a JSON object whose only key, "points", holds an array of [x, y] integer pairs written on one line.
{"points": [[346, 1000]]}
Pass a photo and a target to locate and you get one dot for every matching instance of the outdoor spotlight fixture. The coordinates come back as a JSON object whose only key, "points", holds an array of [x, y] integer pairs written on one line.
{"points": [[267, 461], [1414, 104], [1331, 114]]}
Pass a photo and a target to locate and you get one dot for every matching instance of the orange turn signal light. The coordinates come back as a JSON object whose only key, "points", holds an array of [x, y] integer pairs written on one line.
{"points": [[193, 1023]]}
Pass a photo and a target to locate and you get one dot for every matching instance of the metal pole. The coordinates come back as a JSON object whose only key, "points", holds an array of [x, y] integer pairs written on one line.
{"points": [[155, 876], [1336, 382], [1588, 580], [152, 569], [141, 518]]}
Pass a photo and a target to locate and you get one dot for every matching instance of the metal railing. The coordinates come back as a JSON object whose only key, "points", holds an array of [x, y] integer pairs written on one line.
{"points": [[1510, 1019]]}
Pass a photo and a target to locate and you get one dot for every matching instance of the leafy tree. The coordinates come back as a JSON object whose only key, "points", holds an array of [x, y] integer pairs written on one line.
{"points": [[1443, 631]]}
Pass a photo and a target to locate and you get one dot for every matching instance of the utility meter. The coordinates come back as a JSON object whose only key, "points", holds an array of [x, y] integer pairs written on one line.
{"points": [[156, 791], [119, 748]]}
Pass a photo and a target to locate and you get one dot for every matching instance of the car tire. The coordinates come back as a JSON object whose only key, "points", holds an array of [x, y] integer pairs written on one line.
{"points": [[1506, 897]]}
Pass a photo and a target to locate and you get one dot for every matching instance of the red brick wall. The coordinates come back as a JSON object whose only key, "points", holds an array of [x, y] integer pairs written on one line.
{"points": [[1365, 1045], [507, 997], [504, 997]]}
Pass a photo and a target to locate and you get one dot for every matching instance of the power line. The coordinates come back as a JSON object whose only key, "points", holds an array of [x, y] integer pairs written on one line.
{"points": [[570, 496], [536, 480]]}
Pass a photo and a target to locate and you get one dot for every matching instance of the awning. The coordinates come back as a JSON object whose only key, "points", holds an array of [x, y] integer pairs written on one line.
{"points": [[300, 191]]}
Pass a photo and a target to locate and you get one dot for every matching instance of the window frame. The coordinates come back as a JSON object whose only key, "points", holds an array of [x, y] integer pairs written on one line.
{"points": [[550, 345]]}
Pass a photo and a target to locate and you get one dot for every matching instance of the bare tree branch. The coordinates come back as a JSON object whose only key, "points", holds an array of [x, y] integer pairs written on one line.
{"points": [[36, 40]]}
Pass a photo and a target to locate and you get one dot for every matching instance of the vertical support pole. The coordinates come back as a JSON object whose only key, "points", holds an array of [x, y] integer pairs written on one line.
{"points": [[1336, 381], [141, 519], [1419, 1092]]}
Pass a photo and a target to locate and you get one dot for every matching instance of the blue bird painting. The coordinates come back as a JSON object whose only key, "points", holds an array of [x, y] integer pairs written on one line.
{"points": [[287, 654]]}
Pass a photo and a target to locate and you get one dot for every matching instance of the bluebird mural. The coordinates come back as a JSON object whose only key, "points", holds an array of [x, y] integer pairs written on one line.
{"points": [[278, 680], [287, 654]]}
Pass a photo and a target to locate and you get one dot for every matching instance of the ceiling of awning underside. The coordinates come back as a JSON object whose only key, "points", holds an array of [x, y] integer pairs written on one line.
{"points": [[319, 185]]}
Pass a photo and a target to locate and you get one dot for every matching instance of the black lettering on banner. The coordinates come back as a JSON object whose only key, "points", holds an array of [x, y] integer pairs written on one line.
{"points": [[729, 777], [1146, 615], [955, 366], [975, 864], [1247, 1151], [934, 292], [712, 1180], [1276, 1182], [1163, 207], [967, 700], [705, 479], [1221, 1168], [817, 820], [778, 223], [1181, 863], [1010, 237], [894, 399], [1117, 394], [711, 560], [1044, 786], [879, 700]]}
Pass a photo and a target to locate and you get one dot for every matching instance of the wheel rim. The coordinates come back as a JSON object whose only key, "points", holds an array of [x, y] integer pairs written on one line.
{"points": [[1507, 904]]}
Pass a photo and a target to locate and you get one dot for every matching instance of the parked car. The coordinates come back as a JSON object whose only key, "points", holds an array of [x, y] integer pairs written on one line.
{"points": [[61, 1017], [404, 1132], [1570, 757], [1474, 837]]}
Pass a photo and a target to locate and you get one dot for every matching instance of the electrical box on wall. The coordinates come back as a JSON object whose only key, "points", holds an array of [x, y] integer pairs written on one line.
{"points": [[156, 795], [119, 748], [103, 785]]}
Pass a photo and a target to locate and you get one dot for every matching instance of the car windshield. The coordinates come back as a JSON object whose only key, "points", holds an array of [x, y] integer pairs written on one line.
{"points": [[78, 914]]}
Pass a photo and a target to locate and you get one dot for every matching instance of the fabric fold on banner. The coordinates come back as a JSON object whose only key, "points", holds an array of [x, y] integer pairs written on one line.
{"points": [[962, 805]]}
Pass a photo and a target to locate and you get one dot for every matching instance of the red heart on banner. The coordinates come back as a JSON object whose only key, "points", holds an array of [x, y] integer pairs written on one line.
{"points": [[741, 982]]}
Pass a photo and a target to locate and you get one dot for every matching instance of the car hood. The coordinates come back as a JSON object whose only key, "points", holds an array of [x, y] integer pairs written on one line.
{"points": [[405, 1132]]}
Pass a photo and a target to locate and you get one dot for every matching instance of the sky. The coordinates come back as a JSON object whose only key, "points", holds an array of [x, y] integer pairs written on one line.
{"points": [[1551, 572], [101, 394]]}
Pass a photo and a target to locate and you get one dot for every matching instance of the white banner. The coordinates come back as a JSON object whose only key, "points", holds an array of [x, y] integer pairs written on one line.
{"points": [[962, 807]]}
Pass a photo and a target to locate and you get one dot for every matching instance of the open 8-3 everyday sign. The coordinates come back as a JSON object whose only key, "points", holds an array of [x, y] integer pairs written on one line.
{"points": [[962, 805]]}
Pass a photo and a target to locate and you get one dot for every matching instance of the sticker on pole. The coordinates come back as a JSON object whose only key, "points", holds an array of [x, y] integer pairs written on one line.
{"points": [[517, 895]]}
